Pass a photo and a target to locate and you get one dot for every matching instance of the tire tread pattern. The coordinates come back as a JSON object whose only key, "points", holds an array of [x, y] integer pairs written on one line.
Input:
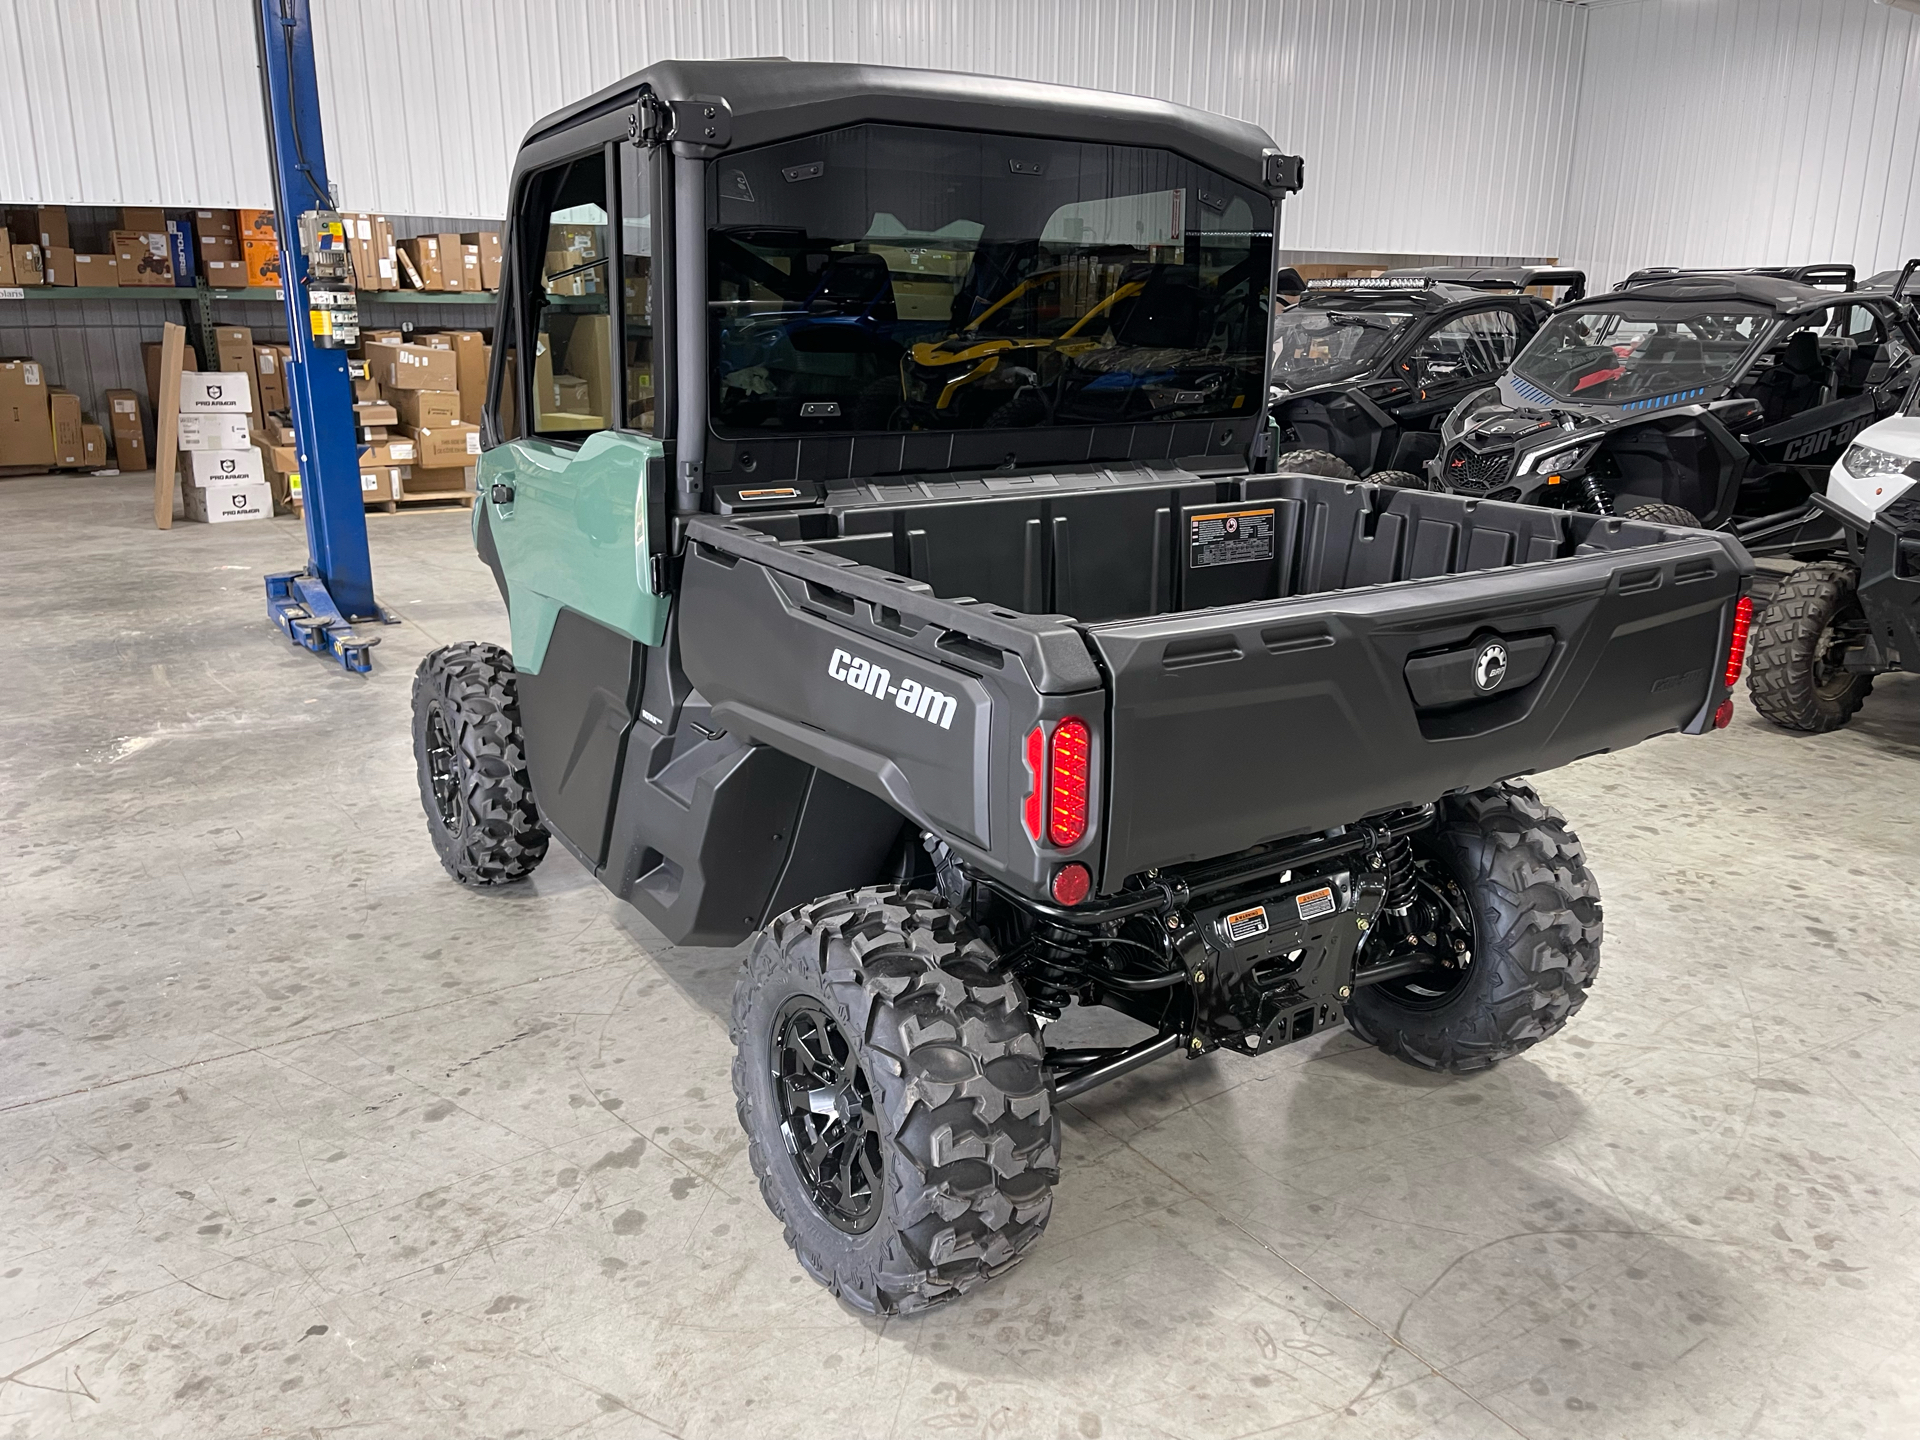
{"points": [[1314, 462], [1785, 648], [502, 839], [1539, 922], [954, 1061]]}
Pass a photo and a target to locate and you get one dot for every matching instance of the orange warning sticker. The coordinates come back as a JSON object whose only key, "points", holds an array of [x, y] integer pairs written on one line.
{"points": [[1229, 537], [1315, 903], [1245, 924]]}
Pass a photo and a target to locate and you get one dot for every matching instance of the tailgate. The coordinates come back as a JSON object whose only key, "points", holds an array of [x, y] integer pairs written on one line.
{"points": [[1236, 726]]}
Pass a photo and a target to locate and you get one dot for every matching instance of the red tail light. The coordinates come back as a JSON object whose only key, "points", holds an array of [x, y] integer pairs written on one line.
{"points": [[1737, 651], [1069, 759], [1037, 775]]}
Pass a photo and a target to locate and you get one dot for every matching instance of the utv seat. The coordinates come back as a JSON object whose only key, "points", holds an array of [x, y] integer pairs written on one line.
{"points": [[1795, 382]]}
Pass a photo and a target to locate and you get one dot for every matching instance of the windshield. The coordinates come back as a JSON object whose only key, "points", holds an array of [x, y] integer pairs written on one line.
{"points": [[883, 277], [1626, 351], [1332, 337]]}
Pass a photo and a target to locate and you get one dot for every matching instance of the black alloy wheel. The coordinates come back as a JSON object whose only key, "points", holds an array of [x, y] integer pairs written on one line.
{"points": [[442, 777], [826, 1115]]}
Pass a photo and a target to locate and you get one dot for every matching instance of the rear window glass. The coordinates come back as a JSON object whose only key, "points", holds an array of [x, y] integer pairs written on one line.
{"points": [[892, 278]]}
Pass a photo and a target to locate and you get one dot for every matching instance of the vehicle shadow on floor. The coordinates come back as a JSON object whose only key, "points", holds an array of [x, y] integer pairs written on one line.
{"points": [[1891, 716]]}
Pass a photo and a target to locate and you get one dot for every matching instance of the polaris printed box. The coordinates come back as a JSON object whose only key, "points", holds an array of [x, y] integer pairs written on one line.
{"points": [[890, 548], [215, 392]]}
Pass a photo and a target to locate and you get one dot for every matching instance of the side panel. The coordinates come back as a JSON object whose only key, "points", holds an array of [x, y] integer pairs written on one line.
{"points": [[574, 712], [573, 537]]}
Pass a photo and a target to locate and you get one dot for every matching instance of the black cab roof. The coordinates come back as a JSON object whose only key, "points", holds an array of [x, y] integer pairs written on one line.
{"points": [[1753, 287], [757, 102]]}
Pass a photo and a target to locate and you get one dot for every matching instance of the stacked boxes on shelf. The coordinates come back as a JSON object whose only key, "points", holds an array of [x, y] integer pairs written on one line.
{"points": [[452, 263], [225, 475], [420, 381], [43, 427], [370, 246], [259, 247]]}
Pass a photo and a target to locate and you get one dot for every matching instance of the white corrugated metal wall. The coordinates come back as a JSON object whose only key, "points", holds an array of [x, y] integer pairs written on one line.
{"points": [[1617, 133], [1429, 125], [1746, 132]]}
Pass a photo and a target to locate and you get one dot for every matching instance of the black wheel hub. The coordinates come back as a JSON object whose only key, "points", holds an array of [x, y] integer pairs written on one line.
{"points": [[827, 1114], [441, 773]]}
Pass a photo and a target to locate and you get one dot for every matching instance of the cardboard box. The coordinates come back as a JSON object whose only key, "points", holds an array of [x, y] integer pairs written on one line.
{"points": [[180, 252], [440, 480], [215, 504], [420, 262], [470, 267], [444, 446], [431, 408], [275, 432], [6, 258], [452, 266], [94, 446], [149, 218], [98, 270], [216, 392], [574, 281], [221, 248], [226, 274], [129, 433], [263, 263], [26, 426], [377, 412], [269, 365], [215, 432], [386, 254], [256, 225], [489, 243], [394, 452], [150, 351], [53, 228], [143, 257], [69, 444], [226, 467], [29, 266], [233, 348], [282, 459], [59, 263], [412, 367], [216, 225], [381, 483]]}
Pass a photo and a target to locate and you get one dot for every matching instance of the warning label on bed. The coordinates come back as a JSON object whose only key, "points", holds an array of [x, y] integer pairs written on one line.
{"points": [[1230, 537]]}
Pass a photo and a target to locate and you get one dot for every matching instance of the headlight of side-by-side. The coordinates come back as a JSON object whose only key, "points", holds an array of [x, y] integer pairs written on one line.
{"points": [[1567, 457], [1863, 461], [1461, 416]]}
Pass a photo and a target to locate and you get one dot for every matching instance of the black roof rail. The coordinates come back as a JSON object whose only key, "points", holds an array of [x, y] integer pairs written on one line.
{"points": [[1830, 273], [1501, 277]]}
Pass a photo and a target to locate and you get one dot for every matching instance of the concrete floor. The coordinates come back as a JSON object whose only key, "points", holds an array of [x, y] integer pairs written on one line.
{"points": [[298, 1136]]}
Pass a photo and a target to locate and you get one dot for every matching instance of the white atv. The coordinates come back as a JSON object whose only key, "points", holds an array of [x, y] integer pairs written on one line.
{"points": [[1835, 624]]}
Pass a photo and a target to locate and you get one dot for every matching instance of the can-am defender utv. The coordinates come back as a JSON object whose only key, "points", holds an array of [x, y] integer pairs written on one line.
{"points": [[1364, 370], [968, 725], [1705, 398], [1835, 624]]}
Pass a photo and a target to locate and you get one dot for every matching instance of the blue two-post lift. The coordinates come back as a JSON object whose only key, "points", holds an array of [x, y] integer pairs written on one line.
{"points": [[317, 607]]}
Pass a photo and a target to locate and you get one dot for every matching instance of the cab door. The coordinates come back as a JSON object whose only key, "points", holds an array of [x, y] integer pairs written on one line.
{"points": [[564, 485]]}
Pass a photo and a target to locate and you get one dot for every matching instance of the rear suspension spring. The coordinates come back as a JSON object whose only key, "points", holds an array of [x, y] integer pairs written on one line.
{"points": [[1397, 858]]}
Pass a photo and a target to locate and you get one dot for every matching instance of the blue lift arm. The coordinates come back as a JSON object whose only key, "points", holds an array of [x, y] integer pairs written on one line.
{"points": [[319, 606]]}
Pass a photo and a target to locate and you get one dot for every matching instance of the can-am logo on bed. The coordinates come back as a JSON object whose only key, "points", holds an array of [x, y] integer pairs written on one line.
{"points": [[921, 701]]}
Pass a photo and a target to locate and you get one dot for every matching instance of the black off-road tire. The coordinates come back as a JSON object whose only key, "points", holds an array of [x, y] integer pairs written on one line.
{"points": [[952, 1059], [1314, 462], [1537, 929], [1663, 515], [1400, 480], [483, 823], [1026, 408], [1787, 679]]}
